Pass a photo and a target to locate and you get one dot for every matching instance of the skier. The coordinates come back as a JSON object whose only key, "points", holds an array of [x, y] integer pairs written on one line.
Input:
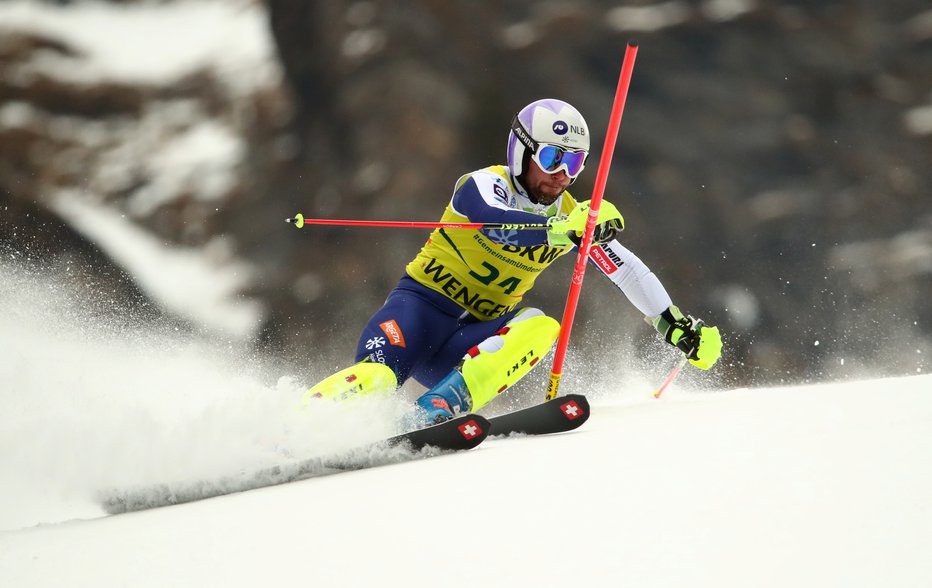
{"points": [[453, 322]]}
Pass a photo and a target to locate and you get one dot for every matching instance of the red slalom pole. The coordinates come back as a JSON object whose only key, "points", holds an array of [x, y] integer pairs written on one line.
{"points": [[601, 178]]}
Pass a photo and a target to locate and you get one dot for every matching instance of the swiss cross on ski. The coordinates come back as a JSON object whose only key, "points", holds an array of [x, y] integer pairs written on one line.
{"points": [[470, 429], [571, 410]]}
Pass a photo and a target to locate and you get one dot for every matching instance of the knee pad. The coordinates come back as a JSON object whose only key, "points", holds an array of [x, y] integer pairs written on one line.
{"points": [[363, 378], [500, 361]]}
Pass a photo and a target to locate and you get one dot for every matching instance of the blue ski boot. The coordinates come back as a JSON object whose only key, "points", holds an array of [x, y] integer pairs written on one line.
{"points": [[447, 399]]}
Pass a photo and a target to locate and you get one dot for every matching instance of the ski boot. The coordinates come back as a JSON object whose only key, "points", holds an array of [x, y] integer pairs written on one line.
{"points": [[491, 367], [447, 399]]}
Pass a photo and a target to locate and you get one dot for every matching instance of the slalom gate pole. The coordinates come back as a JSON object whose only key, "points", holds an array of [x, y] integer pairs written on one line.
{"points": [[300, 221], [605, 162]]}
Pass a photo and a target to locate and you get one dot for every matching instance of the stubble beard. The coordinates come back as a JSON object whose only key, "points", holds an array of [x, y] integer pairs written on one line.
{"points": [[545, 198]]}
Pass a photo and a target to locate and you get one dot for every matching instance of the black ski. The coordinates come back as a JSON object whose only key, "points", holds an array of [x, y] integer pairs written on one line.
{"points": [[462, 433], [561, 414]]}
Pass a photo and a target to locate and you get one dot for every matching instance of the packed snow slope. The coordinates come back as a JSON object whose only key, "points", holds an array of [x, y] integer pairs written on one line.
{"points": [[811, 486], [823, 485]]}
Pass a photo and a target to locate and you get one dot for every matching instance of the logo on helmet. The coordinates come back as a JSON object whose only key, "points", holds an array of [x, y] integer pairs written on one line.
{"points": [[560, 127]]}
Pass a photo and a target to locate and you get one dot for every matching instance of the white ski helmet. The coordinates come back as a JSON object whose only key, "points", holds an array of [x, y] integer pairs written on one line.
{"points": [[547, 121]]}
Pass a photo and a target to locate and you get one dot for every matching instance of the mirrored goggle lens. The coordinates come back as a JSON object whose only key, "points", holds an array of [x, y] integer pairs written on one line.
{"points": [[551, 158]]}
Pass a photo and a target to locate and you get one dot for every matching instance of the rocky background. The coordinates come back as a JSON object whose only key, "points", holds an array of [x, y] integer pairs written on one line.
{"points": [[774, 164]]}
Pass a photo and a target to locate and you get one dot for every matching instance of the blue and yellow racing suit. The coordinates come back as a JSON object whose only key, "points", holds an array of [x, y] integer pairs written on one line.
{"points": [[466, 284]]}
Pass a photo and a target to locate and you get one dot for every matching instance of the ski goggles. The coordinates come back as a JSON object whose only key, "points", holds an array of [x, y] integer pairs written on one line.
{"points": [[551, 158]]}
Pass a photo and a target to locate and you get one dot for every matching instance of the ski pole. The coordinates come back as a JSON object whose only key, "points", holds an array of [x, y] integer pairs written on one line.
{"points": [[300, 221], [605, 162], [671, 376]]}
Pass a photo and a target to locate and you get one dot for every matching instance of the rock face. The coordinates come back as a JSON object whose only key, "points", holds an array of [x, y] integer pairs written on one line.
{"points": [[773, 165]]}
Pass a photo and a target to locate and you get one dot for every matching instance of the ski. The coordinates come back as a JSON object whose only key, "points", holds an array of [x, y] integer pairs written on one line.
{"points": [[462, 433], [559, 415]]}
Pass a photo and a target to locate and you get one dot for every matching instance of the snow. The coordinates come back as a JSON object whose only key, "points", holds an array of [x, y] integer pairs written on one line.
{"points": [[174, 145], [648, 18], [725, 10], [149, 42], [200, 161], [919, 120], [820, 485], [185, 281]]}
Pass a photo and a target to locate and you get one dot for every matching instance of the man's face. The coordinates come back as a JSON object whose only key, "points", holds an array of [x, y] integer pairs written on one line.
{"points": [[543, 187]]}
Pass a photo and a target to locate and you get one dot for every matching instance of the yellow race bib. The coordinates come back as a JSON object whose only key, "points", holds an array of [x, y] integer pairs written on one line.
{"points": [[485, 278]]}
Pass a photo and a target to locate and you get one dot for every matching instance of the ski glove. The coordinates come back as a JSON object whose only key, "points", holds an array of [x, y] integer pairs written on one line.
{"points": [[701, 343], [567, 230]]}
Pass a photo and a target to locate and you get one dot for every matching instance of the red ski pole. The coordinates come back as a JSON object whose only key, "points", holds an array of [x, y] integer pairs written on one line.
{"points": [[680, 364], [569, 312], [300, 221]]}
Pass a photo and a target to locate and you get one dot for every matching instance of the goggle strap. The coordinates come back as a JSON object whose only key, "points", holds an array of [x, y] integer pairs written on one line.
{"points": [[522, 134]]}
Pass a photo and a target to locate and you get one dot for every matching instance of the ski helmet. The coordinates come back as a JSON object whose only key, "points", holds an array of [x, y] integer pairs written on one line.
{"points": [[547, 121]]}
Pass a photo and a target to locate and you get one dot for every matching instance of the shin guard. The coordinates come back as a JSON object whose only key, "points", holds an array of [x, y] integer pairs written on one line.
{"points": [[363, 378], [507, 356]]}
